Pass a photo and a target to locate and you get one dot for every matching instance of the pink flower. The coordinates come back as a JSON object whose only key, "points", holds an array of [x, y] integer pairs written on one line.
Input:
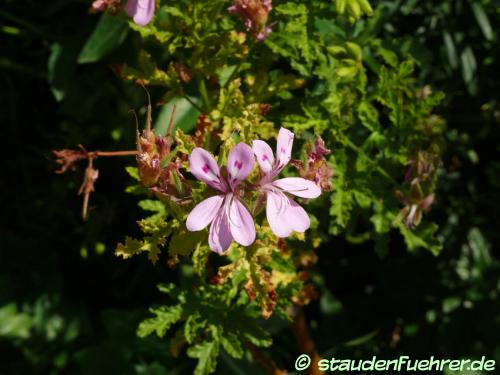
{"points": [[141, 11], [283, 213], [228, 217]]}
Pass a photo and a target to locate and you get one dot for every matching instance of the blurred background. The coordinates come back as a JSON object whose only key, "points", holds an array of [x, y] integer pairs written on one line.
{"points": [[69, 306]]}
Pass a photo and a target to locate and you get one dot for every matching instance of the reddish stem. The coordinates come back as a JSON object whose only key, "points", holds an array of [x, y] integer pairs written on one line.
{"points": [[112, 153], [266, 363], [305, 342]]}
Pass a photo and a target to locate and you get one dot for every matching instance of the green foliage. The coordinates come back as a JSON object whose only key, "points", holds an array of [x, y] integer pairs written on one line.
{"points": [[206, 354], [160, 324], [209, 322], [374, 116], [109, 33], [156, 236], [14, 324]]}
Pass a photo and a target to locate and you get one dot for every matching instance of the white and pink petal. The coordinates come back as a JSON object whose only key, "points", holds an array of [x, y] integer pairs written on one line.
{"points": [[298, 186], [275, 212], [141, 11], [297, 217], [204, 213], [204, 167], [241, 223], [240, 163], [219, 235], [284, 148], [264, 155]]}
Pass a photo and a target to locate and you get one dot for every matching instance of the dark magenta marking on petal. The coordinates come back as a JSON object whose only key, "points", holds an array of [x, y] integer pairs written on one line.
{"points": [[206, 168], [238, 164]]}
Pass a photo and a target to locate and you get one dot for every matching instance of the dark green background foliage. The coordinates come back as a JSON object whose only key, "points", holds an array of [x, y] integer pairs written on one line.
{"points": [[68, 305]]}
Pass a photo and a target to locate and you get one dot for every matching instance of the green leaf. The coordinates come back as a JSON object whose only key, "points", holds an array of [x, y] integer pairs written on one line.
{"points": [[185, 116], [292, 40], [482, 20], [257, 336], [165, 317], [480, 248], [421, 237], [363, 339], [109, 33], [61, 67], [451, 51], [447, 371], [157, 231], [347, 71], [225, 73], [130, 248], [194, 324], [133, 172], [14, 324], [154, 206], [232, 345], [152, 31], [206, 353], [469, 64], [200, 258], [169, 288], [184, 242], [450, 304], [368, 115]]}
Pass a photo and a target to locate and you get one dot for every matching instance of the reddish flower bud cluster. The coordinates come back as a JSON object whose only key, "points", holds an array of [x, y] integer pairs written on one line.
{"points": [[158, 169], [419, 175], [255, 14], [317, 168], [99, 6], [148, 158]]}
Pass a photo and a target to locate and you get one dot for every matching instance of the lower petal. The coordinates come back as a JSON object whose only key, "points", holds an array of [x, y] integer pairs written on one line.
{"points": [[203, 213], [297, 217], [276, 214], [219, 235], [241, 223]]}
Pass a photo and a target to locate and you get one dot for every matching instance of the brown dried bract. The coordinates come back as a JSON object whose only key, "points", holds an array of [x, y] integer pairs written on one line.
{"points": [[87, 187], [68, 158]]}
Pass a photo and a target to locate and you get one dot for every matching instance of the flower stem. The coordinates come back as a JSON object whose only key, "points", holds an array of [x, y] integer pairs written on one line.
{"points": [[112, 153], [305, 342]]}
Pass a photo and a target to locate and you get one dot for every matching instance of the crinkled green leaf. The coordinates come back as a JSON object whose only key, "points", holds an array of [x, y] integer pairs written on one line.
{"points": [[160, 324], [206, 353]]}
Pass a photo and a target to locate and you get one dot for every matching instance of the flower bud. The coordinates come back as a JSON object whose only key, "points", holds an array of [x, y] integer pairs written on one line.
{"points": [[255, 14], [99, 6], [149, 168], [162, 145]]}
